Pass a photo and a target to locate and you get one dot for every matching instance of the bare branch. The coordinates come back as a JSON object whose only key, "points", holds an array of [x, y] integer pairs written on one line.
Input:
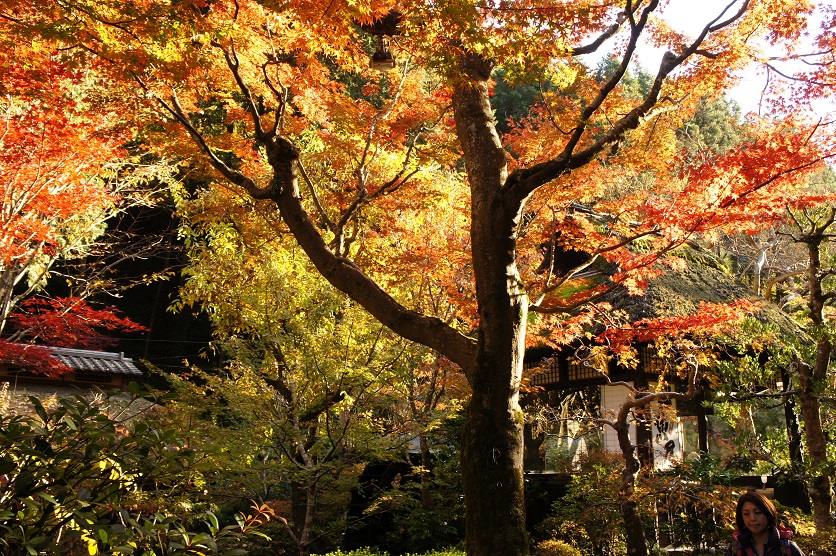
{"points": [[594, 45], [767, 290]]}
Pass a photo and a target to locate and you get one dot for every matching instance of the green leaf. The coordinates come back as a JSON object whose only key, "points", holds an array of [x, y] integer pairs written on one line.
{"points": [[7, 465], [70, 423], [39, 408], [49, 498], [24, 482], [213, 522]]}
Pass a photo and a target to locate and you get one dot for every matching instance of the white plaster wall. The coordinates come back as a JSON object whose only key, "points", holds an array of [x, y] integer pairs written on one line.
{"points": [[612, 396]]}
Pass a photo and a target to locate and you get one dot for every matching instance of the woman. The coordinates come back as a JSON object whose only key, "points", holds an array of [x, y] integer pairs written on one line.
{"points": [[757, 530]]}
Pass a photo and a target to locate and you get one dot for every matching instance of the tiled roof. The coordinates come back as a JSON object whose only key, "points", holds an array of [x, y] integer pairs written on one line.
{"points": [[96, 361]]}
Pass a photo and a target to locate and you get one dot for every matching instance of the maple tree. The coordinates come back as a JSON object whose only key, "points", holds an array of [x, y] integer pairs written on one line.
{"points": [[313, 386], [53, 206], [790, 265], [64, 176], [67, 322], [813, 230], [783, 264], [41, 323], [803, 75], [279, 99]]}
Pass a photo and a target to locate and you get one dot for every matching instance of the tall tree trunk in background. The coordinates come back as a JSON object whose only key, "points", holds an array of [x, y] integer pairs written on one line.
{"points": [[795, 445], [426, 462], [812, 377], [794, 441], [303, 508], [820, 485], [7, 285]]}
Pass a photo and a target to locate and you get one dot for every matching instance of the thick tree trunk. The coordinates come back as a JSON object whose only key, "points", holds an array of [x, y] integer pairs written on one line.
{"points": [[492, 449], [795, 444], [633, 528], [492, 472], [6, 289]]}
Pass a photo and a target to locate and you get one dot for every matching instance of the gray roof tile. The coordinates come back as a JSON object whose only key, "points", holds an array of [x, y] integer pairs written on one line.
{"points": [[96, 361]]}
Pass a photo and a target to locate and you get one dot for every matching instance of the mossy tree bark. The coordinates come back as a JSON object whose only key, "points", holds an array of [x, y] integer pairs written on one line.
{"points": [[812, 376], [492, 449]]}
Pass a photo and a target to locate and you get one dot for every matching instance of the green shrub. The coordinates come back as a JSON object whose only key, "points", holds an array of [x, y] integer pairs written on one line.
{"points": [[588, 516], [373, 552], [556, 548], [358, 552], [411, 526], [77, 480]]}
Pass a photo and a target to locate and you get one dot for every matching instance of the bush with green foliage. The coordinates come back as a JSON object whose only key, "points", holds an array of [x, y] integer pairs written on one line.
{"points": [[76, 480], [812, 542], [691, 504], [556, 548], [418, 524], [372, 552], [695, 502], [588, 515]]}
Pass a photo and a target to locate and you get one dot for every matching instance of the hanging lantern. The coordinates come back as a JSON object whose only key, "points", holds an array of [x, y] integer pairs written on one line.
{"points": [[382, 59], [384, 29]]}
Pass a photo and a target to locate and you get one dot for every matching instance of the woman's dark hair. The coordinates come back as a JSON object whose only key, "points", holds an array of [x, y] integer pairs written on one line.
{"points": [[762, 502]]}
